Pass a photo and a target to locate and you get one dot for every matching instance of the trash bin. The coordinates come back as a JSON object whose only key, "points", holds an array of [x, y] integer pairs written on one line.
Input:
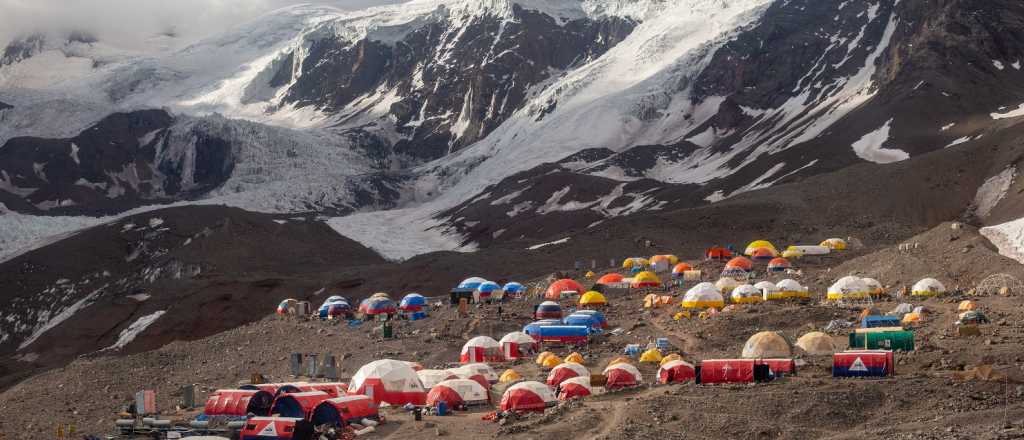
{"points": [[388, 332]]}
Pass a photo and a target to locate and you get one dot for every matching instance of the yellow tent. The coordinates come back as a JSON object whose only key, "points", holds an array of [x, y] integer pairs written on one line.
{"points": [[590, 274], [646, 279], [575, 358], [911, 318], [836, 244], [543, 355], [652, 356], [509, 375], [620, 360], [757, 244], [629, 263], [670, 357], [551, 361], [792, 254], [671, 259], [593, 298]]}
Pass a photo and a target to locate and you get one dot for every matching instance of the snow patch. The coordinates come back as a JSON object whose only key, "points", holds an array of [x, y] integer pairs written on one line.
{"points": [[135, 329], [1008, 238], [999, 64], [550, 243], [1016, 113], [870, 148], [993, 190], [62, 316]]}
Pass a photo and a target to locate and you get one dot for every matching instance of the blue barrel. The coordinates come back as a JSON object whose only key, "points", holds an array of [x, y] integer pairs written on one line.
{"points": [[442, 408]]}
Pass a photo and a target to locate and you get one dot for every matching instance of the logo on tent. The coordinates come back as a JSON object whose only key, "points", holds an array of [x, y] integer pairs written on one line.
{"points": [[269, 431], [858, 365]]}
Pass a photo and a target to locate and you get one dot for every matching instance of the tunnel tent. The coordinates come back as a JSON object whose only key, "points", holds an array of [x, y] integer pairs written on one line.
{"points": [[676, 371], [299, 405], [342, 410], [239, 403]]}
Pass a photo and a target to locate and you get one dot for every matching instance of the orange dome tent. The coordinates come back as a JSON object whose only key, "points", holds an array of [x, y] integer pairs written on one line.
{"points": [[778, 264], [740, 263], [563, 286], [763, 254], [610, 278]]}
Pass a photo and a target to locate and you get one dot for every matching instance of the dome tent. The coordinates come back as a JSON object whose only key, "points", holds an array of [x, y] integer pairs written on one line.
{"points": [[766, 345], [412, 302], [481, 349], [680, 269], [702, 296], [928, 287], [527, 396], [471, 283], [388, 380], [619, 360], [676, 371], [517, 345], [510, 375], [760, 244], [816, 343], [634, 262], [575, 388], [778, 264], [563, 288], [378, 306], [485, 291], [610, 278], [548, 310], [544, 355], [651, 356], [513, 289], [429, 378], [670, 357], [746, 294], [768, 290], [565, 371], [478, 371], [791, 289], [849, 287], [966, 305], [763, 254], [597, 319], [741, 263], [875, 288], [575, 358], [645, 279], [717, 253], [622, 375], [725, 285], [593, 299], [835, 244], [458, 393]]}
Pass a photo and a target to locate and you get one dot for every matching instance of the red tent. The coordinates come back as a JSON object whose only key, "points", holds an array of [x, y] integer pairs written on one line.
{"points": [[676, 371], [333, 389], [527, 396], [458, 393], [268, 428], [347, 409], [481, 349], [714, 371], [574, 388], [621, 375], [610, 278], [566, 371], [556, 288], [388, 380], [239, 403], [717, 253], [298, 404]]}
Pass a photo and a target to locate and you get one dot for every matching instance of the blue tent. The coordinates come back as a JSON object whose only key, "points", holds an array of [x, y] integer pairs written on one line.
{"points": [[413, 302], [875, 321], [471, 283], [513, 288], [566, 334], [587, 320]]}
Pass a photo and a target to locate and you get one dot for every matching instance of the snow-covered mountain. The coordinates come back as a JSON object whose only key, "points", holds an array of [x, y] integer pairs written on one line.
{"points": [[413, 119]]}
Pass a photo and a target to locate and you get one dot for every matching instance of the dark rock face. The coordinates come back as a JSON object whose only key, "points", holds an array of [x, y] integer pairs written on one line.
{"points": [[452, 86], [22, 49], [121, 162], [5, 106]]}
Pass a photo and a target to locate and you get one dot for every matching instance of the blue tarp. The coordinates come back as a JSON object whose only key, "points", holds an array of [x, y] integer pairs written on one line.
{"points": [[876, 321]]}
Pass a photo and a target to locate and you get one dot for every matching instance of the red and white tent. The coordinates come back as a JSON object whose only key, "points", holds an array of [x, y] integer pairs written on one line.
{"points": [[622, 375], [481, 349], [676, 371], [388, 380], [478, 369], [429, 378], [527, 396], [458, 393], [517, 345], [334, 389], [565, 371], [575, 388]]}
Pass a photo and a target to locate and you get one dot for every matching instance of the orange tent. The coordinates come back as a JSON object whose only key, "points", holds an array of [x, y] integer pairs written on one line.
{"points": [[610, 278], [763, 254], [681, 267], [717, 253], [740, 263], [563, 285], [778, 264]]}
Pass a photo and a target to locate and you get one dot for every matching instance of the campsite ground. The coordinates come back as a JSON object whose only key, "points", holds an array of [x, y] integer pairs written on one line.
{"points": [[923, 400]]}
